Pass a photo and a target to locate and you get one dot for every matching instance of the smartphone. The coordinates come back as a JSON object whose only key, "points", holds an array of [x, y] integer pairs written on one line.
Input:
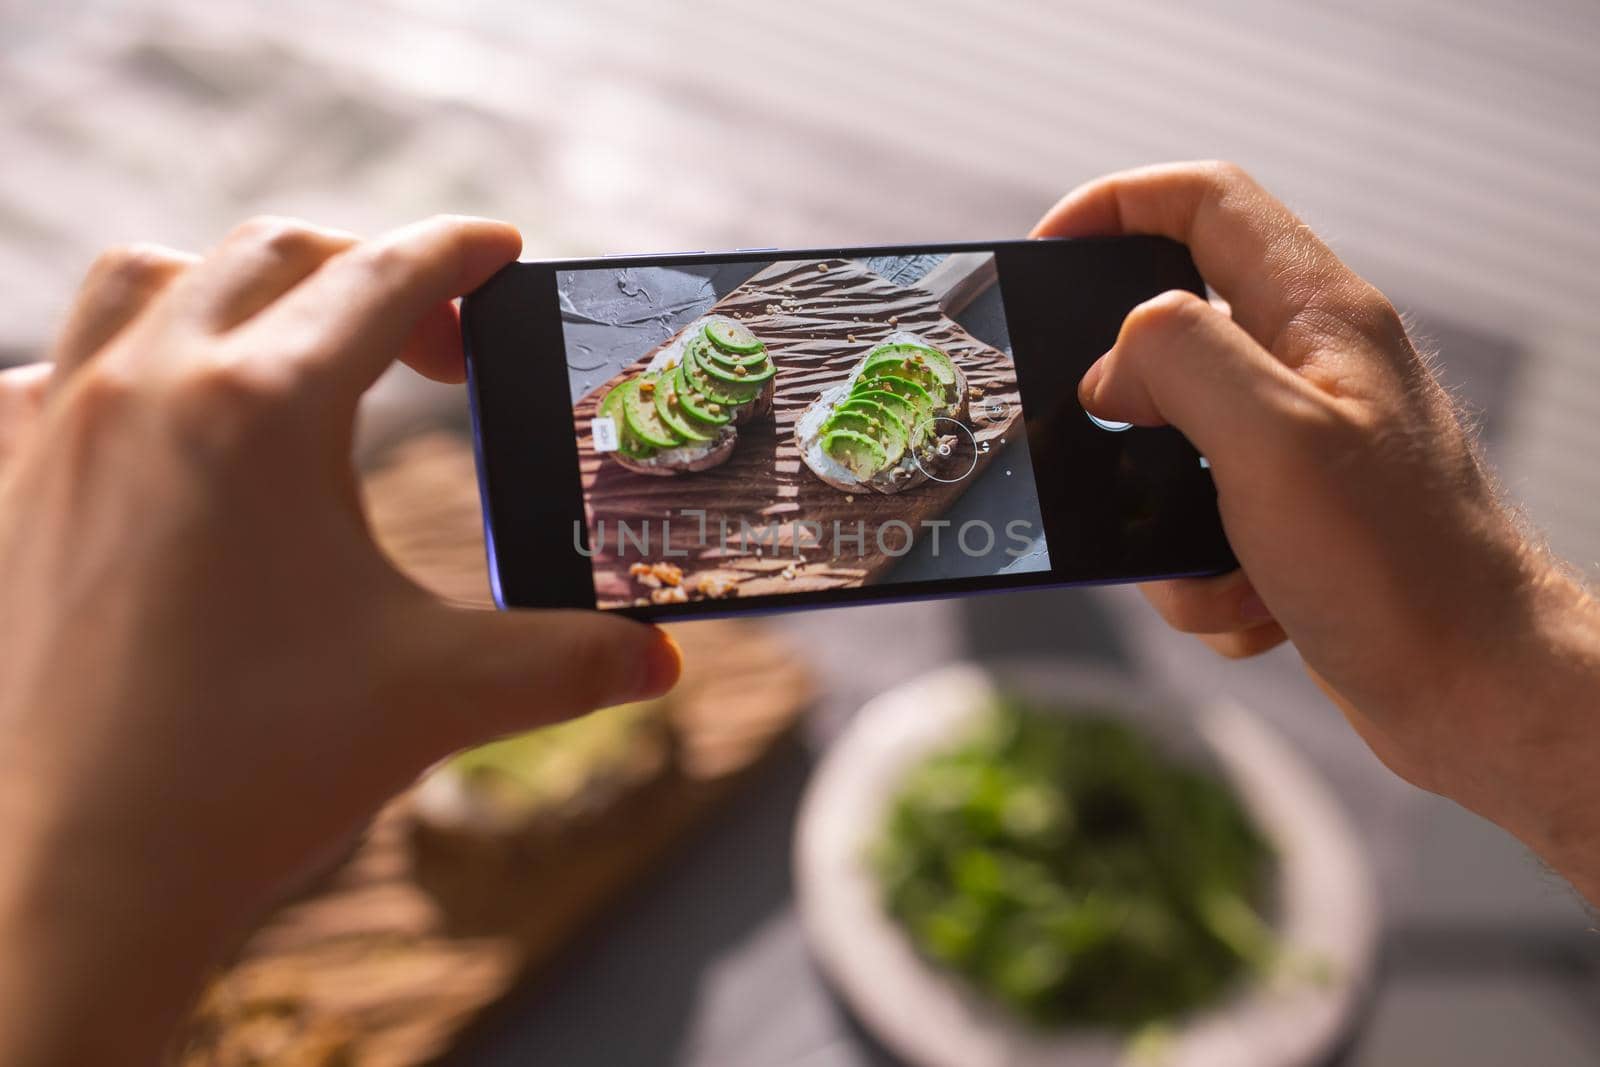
{"points": [[710, 433]]}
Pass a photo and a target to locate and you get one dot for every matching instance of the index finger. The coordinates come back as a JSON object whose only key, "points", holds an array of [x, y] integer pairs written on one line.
{"points": [[1249, 247], [383, 298]]}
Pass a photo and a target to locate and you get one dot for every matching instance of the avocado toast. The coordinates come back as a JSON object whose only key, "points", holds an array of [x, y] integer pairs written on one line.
{"points": [[680, 413], [879, 429]]}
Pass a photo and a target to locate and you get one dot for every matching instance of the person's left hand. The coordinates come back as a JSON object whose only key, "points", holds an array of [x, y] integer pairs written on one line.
{"points": [[210, 676]]}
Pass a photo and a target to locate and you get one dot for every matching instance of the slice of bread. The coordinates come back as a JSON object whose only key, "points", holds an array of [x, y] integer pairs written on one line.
{"points": [[684, 459]]}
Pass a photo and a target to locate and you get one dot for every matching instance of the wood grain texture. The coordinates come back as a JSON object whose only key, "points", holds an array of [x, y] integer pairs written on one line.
{"points": [[818, 319], [421, 930]]}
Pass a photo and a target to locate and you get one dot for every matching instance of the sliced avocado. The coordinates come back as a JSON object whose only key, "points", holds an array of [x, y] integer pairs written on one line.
{"points": [[739, 375], [672, 413], [696, 403], [731, 336], [863, 456], [911, 392], [611, 408], [639, 412], [711, 386], [943, 370], [893, 403], [903, 361], [727, 359], [881, 424]]}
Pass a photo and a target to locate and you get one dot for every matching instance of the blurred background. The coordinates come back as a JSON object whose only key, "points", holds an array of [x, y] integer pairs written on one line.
{"points": [[1448, 150]]}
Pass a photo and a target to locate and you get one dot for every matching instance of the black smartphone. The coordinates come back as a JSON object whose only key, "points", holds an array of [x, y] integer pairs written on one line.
{"points": [[695, 434]]}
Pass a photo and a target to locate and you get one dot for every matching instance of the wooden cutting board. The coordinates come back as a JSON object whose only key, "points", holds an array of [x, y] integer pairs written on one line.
{"points": [[819, 318], [418, 933]]}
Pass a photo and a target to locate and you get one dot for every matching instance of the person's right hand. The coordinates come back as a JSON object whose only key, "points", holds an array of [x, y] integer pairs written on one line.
{"points": [[1366, 528]]}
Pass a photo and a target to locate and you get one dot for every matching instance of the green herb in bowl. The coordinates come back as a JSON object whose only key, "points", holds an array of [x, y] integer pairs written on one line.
{"points": [[1074, 872]]}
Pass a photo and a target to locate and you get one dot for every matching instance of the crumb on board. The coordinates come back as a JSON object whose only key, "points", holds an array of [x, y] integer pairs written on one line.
{"points": [[849, 498], [894, 320], [852, 337], [788, 573], [667, 585], [974, 393], [822, 268]]}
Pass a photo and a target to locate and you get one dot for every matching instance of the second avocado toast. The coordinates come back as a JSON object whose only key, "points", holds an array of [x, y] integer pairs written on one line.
{"points": [[680, 414], [880, 429]]}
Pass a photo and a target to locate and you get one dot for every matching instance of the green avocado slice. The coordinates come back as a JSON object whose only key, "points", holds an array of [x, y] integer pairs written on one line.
{"points": [[714, 387], [669, 411], [874, 420], [726, 359], [863, 456], [696, 403], [733, 337], [639, 412], [911, 392], [611, 408]]}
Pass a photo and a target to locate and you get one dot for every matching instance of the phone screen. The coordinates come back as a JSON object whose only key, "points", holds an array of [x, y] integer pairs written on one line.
{"points": [[772, 430]]}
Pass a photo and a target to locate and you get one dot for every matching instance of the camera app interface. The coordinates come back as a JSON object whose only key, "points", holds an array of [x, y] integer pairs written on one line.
{"points": [[755, 429]]}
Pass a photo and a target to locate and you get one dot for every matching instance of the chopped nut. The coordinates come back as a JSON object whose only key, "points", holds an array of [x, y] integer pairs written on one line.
{"points": [[893, 319], [670, 573], [852, 337], [974, 393], [849, 498], [822, 268], [671, 595], [647, 386], [741, 371], [788, 573]]}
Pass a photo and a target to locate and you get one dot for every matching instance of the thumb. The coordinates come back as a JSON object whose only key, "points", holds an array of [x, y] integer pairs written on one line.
{"points": [[493, 673], [1179, 361]]}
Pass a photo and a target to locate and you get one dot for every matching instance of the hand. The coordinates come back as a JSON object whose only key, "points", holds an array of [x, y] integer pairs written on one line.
{"points": [[1366, 528], [209, 675]]}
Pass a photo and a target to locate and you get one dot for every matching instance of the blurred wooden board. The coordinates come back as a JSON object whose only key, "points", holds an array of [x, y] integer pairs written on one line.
{"points": [[415, 936], [819, 318]]}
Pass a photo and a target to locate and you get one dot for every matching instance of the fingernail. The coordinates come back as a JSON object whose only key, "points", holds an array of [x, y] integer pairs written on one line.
{"points": [[1091, 377], [1253, 609], [662, 665]]}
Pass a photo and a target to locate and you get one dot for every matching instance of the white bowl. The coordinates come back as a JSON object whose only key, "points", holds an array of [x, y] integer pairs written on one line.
{"points": [[1325, 907]]}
